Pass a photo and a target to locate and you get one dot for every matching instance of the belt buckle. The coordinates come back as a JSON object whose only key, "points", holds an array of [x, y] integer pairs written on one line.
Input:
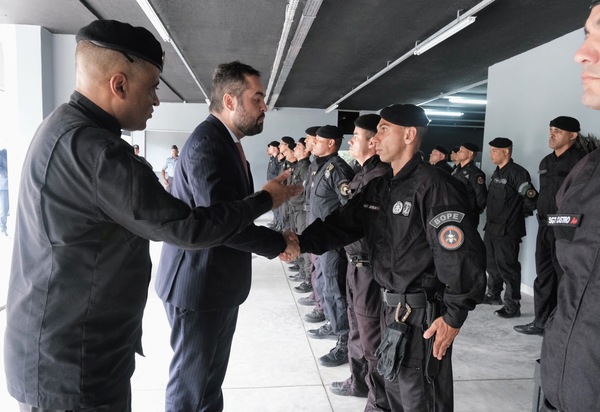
{"points": [[359, 264]]}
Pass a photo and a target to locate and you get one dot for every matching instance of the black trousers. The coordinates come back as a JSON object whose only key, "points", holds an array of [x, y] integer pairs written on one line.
{"points": [[549, 274], [503, 266], [410, 391], [364, 308]]}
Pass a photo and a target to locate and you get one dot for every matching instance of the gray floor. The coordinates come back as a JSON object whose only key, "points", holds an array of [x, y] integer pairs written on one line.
{"points": [[274, 366]]}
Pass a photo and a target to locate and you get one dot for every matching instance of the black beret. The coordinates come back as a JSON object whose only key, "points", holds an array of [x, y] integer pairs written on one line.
{"points": [[330, 132], [274, 143], [455, 149], [567, 123], [291, 146], [442, 149], [501, 142], [594, 3], [405, 115], [312, 131], [368, 122], [288, 140], [470, 146], [302, 141], [125, 38]]}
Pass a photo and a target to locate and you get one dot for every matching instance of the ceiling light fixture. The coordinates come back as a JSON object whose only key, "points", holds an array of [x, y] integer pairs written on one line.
{"points": [[164, 34], [464, 100], [331, 108], [154, 19], [450, 30], [390, 65], [430, 112]]}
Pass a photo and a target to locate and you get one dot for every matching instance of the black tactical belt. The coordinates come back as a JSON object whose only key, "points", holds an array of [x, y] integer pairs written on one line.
{"points": [[358, 260], [415, 300]]}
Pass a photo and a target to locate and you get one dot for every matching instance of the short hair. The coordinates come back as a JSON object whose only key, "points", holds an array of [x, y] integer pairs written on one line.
{"points": [[174, 147], [229, 78], [135, 146]]}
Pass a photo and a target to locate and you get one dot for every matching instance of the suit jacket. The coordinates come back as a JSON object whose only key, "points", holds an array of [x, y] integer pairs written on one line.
{"points": [[209, 171]]}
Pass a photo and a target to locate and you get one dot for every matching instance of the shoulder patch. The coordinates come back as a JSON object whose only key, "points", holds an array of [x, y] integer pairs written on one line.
{"points": [[445, 217], [480, 180], [451, 237], [345, 189]]}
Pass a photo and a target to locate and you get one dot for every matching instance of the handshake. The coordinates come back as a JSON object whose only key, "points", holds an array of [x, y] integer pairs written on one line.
{"points": [[292, 251]]}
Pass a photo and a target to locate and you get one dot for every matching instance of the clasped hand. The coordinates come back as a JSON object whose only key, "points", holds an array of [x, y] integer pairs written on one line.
{"points": [[292, 251]]}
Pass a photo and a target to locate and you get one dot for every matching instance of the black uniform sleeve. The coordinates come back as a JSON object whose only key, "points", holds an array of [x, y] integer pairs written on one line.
{"points": [[480, 191], [458, 250], [129, 194], [340, 228]]}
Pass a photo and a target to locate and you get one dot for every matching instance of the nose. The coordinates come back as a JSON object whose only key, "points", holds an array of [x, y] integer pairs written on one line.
{"points": [[155, 100], [586, 53], [263, 106]]}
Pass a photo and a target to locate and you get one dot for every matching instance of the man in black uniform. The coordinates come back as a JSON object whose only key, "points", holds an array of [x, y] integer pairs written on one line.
{"points": [[425, 252], [87, 207], [439, 158], [362, 292], [511, 197], [570, 362], [554, 168], [329, 190], [472, 177]]}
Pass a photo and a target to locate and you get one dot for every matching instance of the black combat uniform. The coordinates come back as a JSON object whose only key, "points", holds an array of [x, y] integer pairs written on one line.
{"points": [[364, 305], [443, 164], [553, 171], [425, 251], [570, 362], [474, 180], [511, 197]]}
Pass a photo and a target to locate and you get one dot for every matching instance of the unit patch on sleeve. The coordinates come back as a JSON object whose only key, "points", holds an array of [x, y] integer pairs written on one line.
{"points": [[451, 237], [445, 217]]}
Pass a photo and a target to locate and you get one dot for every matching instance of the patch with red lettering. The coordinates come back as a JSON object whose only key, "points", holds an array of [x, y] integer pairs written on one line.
{"points": [[569, 220], [451, 237]]}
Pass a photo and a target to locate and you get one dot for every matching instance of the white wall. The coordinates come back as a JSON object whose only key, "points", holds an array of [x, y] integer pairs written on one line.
{"points": [[172, 117], [524, 94]]}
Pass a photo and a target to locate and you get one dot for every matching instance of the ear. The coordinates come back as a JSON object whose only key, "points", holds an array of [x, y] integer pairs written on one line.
{"points": [[119, 85], [229, 102], [410, 135]]}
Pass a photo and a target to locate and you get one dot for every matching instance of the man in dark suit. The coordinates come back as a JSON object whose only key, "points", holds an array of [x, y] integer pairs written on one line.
{"points": [[202, 289]]}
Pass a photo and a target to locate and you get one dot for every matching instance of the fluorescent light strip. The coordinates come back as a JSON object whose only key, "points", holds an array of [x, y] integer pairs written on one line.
{"points": [[483, 4], [446, 32], [164, 34], [442, 113], [331, 108], [463, 100], [154, 19]]}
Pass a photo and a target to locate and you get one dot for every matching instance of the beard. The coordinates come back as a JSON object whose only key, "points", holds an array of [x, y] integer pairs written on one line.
{"points": [[246, 124]]}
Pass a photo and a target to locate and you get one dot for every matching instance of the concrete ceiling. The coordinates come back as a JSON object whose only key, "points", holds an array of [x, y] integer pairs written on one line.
{"points": [[346, 43]]}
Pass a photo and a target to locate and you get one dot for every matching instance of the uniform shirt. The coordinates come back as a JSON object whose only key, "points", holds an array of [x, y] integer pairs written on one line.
{"points": [[329, 186], [371, 169], [419, 235], [169, 166], [81, 263], [273, 168], [474, 181], [313, 167], [511, 197], [442, 164], [298, 177], [553, 171], [570, 361]]}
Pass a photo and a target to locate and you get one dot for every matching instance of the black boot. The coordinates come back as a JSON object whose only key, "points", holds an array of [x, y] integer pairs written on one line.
{"points": [[338, 355]]}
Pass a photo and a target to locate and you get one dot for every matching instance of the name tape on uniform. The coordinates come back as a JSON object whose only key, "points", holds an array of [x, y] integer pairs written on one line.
{"points": [[564, 220]]}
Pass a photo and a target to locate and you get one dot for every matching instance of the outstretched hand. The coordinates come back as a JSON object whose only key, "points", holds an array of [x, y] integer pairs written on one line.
{"points": [[279, 192], [444, 336], [292, 251]]}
